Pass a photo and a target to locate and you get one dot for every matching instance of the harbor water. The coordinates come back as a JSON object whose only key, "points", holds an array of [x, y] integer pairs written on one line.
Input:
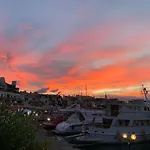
{"points": [[120, 147]]}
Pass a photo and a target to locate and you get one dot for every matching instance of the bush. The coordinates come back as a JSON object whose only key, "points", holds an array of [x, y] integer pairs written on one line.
{"points": [[17, 132]]}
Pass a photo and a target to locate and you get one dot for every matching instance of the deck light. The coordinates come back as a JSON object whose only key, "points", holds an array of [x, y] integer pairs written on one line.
{"points": [[48, 119], [125, 136], [133, 137]]}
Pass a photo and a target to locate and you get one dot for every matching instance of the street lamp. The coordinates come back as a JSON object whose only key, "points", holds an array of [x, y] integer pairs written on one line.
{"points": [[129, 139]]}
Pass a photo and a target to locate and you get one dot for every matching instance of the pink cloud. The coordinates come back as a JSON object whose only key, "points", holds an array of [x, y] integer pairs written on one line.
{"points": [[68, 64]]}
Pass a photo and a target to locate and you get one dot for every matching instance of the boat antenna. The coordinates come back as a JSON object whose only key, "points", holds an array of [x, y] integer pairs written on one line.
{"points": [[106, 96], [144, 91], [81, 93]]}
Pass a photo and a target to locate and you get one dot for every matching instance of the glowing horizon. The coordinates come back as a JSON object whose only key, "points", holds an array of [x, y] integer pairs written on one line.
{"points": [[67, 45]]}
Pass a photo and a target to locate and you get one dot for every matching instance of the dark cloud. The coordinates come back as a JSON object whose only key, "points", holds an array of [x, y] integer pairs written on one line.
{"points": [[54, 90], [54, 69], [42, 90], [37, 84]]}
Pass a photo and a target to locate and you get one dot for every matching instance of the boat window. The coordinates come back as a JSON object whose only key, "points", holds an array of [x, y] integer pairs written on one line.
{"points": [[107, 122], [123, 122], [147, 122], [114, 110], [94, 114], [127, 122], [120, 122], [99, 125], [136, 123], [142, 122], [81, 117]]}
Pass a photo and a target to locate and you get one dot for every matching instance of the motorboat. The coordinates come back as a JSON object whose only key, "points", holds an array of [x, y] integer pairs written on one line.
{"points": [[78, 117], [121, 123]]}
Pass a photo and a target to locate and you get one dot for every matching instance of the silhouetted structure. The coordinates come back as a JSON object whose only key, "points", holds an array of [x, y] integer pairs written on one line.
{"points": [[8, 87]]}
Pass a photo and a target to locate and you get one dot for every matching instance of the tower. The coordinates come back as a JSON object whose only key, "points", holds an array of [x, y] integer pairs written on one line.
{"points": [[14, 83]]}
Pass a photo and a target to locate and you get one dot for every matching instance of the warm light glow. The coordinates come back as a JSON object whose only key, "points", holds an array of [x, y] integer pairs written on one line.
{"points": [[133, 137], [36, 114], [48, 119], [125, 136]]}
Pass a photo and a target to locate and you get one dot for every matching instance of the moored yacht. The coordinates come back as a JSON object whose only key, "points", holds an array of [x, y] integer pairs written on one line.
{"points": [[78, 117], [121, 123]]}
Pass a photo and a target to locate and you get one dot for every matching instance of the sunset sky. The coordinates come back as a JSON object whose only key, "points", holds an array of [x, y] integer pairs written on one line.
{"points": [[68, 44]]}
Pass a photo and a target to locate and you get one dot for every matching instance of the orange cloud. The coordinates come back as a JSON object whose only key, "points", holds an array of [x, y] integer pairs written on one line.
{"points": [[93, 57]]}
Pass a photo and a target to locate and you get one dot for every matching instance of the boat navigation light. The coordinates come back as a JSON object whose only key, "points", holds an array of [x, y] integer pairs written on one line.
{"points": [[48, 119], [125, 136], [133, 137]]}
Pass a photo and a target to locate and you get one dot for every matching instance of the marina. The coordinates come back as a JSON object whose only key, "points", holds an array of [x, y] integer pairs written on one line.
{"points": [[117, 123], [70, 124]]}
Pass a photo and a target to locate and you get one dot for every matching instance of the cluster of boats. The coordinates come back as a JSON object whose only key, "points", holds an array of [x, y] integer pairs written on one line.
{"points": [[116, 123]]}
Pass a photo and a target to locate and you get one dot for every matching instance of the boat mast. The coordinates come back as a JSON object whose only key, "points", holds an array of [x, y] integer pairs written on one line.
{"points": [[106, 96], [145, 92], [86, 90]]}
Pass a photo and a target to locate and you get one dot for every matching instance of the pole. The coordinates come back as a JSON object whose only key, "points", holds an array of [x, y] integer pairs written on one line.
{"points": [[86, 90], [129, 145]]}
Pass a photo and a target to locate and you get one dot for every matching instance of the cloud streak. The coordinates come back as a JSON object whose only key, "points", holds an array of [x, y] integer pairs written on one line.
{"points": [[109, 53], [42, 90]]}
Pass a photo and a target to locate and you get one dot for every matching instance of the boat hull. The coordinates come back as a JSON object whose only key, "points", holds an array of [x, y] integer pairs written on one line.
{"points": [[108, 140]]}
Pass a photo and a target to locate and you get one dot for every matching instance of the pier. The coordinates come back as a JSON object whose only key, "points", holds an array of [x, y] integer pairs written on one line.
{"points": [[55, 142]]}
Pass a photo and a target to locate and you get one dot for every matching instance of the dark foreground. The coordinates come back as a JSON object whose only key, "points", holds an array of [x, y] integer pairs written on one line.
{"points": [[57, 143], [145, 146]]}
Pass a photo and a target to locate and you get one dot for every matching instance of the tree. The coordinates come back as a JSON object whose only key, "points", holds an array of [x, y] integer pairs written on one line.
{"points": [[17, 131]]}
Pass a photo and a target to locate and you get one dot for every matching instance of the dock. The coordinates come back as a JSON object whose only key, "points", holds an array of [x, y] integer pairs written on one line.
{"points": [[55, 142]]}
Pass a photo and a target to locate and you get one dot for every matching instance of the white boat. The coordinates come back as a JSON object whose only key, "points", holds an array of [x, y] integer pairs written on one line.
{"points": [[121, 123], [79, 116]]}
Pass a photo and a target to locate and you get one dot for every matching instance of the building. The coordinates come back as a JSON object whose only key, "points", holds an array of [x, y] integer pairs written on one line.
{"points": [[4, 86]]}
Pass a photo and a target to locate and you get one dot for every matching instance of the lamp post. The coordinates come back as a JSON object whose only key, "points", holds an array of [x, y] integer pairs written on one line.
{"points": [[130, 138]]}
